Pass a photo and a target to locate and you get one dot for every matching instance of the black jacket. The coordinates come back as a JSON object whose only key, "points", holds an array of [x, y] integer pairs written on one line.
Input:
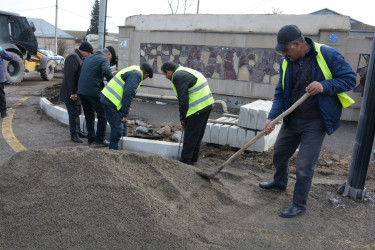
{"points": [[72, 70], [94, 69], [182, 81]]}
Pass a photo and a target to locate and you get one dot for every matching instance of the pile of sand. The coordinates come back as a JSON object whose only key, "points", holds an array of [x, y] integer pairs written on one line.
{"points": [[91, 198]]}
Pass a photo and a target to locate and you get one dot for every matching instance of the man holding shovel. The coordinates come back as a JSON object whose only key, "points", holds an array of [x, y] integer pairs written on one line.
{"points": [[322, 72]]}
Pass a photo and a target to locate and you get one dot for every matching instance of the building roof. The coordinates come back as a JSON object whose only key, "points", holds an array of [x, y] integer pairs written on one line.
{"points": [[354, 24], [46, 30], [77, 34]]}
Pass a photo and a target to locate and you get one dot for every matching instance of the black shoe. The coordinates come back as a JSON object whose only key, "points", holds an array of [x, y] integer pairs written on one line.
{"points": [[292, 211], [103, 143], [4, 114], [76, 139], [272, 185], [82, 135], [90, 143]]}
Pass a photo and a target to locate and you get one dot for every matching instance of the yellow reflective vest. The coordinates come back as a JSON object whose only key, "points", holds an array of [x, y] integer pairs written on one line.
{"points": [[345, 100], [199, 95], [114, 90]]}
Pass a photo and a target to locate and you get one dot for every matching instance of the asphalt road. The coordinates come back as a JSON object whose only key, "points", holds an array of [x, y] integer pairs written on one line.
{"points": [[27, 127]]}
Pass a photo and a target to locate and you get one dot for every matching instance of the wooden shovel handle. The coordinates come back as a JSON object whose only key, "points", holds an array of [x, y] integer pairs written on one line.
{"points": [[258, 136]]}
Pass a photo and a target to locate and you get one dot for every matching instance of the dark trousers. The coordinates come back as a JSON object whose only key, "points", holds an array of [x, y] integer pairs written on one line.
{"points": [[117, 127], [309, 135], [92, 105], [193, 134], [3, 103], [74, 123]]}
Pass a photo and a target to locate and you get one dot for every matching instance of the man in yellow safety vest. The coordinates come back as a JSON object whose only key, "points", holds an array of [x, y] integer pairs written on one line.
{"points": [[117, 96], [323, 73], [195, 103]]}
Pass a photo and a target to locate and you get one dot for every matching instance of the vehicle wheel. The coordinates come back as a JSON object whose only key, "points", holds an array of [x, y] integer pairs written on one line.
{"points": [[48, 72], [14, 69]]}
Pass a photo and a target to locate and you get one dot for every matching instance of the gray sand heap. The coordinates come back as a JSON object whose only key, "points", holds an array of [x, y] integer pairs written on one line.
{"points": [[96, 198]]}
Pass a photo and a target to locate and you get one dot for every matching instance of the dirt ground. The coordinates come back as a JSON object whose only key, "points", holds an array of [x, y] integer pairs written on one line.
{"points": [[94, 198]]}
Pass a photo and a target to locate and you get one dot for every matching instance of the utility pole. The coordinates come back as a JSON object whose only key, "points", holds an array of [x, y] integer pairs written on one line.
{"points": [[56, 27], [198, 7], [355, 186], [102, 23]]}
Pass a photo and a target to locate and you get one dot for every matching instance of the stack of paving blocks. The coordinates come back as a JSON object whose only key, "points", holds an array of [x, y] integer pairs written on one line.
{"points": [[250, 122]]}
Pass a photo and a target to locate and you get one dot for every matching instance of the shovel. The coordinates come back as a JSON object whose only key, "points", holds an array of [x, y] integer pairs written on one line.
{"points": [[179, 145], [252, 141]]}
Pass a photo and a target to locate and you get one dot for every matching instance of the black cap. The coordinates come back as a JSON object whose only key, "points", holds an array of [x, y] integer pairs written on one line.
{"points": [[286, 35], [86, 46], [114, 57], [147, 67]]}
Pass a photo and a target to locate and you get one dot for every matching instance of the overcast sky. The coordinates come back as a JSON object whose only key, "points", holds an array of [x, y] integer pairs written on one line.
{"points": [[76, 14]]}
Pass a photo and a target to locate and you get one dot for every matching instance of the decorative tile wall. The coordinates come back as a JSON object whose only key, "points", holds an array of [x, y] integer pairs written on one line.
{"points": [[226, 63]]}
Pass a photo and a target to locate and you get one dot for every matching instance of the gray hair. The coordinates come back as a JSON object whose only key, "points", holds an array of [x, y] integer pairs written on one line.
{"points": [[106, 51]]}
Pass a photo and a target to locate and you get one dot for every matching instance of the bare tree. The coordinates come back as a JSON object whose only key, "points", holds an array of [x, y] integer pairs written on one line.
{"points": [[170, 2], [61, 46], [187, 5], [276, 11]]}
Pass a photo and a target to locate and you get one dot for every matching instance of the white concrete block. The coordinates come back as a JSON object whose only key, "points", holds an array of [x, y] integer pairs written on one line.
{"points": [[266, 142], [224, 131], [260, 144], [253, 114], [244, 115], [232, 136], [263, 114], [241, 137], [215, 129], [214, 136], [207, 133], [250, 134], [167, 150]]}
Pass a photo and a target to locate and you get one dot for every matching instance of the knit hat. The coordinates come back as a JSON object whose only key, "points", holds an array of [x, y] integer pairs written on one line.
{"points": [[287, 34], [148, 69], [86, 46], [114, 57]]}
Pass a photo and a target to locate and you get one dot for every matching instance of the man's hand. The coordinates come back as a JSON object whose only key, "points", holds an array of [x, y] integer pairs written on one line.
{"points": [[123, 119], [268, 129], [74, 97], [183, 125], [314, 88]]}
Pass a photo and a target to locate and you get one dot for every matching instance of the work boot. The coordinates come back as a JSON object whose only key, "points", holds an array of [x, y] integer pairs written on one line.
{"points": [[82, 134], [103, 143], [76, 139], [272, 185], [4, 114]]}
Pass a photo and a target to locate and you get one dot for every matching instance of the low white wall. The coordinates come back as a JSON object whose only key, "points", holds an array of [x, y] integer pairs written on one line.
{"points": [[231, 31]]}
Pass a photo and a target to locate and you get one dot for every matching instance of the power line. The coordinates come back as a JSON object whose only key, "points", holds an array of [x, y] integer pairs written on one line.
{"points": [[52, 6], [74, 13]]}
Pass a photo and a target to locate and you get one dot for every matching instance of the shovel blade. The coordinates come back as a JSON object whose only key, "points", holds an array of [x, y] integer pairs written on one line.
{"points": [[207, 176]]}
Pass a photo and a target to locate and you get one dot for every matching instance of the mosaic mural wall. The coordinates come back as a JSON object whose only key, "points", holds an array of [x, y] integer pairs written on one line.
{"points": [[226, 63]]}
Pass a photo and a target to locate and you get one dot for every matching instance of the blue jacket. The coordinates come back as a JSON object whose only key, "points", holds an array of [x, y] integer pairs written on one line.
{"points": [[132, 80], [94, 68], [330, 108], [6, 56]]}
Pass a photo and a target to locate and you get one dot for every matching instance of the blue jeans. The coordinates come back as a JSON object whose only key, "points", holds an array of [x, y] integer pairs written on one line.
{"points": [[117, 127], [309, 135]]}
